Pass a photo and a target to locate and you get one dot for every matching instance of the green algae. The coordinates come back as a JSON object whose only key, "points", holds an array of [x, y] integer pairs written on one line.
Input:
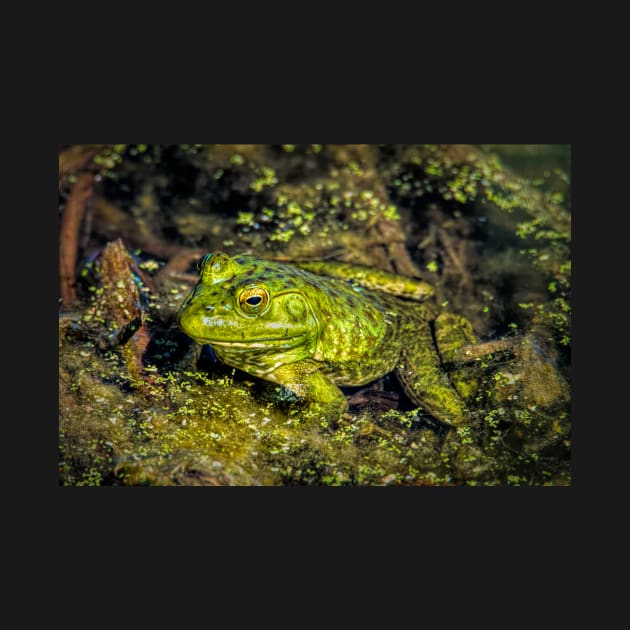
{"points": [[195, 428], [191, 421]]}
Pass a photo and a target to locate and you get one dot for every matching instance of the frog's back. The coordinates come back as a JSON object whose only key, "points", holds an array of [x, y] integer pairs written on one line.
{"points": [[361, 332]]}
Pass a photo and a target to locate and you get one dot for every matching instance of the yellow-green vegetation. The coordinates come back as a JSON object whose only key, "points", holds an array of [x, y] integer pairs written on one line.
{"points": [[320, 209], [463, 174], [537, 211], [185, 420], [279, 215], [552, 258], [191, 428]]}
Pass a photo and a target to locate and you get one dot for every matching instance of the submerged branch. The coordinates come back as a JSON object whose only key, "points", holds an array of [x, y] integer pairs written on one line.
{"points": [[69, 236], [111, 222], [75, 158]]}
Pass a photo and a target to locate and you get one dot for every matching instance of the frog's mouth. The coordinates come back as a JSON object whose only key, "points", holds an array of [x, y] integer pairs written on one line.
{"points": [[257, 343], [266, 343]]}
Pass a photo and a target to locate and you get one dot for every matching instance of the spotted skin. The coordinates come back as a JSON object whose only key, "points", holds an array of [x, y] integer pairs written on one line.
{"points": [[312, 333]]}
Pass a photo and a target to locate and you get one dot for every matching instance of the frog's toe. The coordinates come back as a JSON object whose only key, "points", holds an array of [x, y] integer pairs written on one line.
{"points": [[444, 404], [452, 332]]}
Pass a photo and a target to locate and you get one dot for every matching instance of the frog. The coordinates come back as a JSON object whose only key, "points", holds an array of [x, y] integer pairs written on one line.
{"points": [[313, 328]]}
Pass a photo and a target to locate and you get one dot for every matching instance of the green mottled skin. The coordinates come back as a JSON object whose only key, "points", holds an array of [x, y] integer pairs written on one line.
{"points": [[316, 333]]}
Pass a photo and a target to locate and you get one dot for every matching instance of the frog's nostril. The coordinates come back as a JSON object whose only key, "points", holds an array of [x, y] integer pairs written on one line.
{"points": [[209, 308]]}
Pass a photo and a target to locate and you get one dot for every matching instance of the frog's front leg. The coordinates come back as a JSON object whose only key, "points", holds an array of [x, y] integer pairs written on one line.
{"points": [[305, 379], [425, 381]]}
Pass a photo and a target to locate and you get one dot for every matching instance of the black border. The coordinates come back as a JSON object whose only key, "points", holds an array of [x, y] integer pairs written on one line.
{"points": [[233, 521]]}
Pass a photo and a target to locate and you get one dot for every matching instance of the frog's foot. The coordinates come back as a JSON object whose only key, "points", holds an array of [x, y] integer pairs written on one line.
{"points": [[326, 402], [431, 389], [425, 382], [452, 333]]}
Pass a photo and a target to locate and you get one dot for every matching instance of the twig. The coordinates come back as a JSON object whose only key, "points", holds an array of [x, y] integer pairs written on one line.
{"points": [[69, 236], [75, 158], [111, 222], [451, 250]]}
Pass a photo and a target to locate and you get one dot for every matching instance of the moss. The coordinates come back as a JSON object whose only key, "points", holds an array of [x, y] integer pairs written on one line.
{"points": [[266, 178]]}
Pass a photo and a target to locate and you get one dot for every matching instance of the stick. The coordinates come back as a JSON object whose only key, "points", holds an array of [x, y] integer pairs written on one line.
{"points": [[69, 236]]}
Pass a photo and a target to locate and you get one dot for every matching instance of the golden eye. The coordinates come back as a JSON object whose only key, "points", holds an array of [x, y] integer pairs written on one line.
{"points": [[253, 299]]}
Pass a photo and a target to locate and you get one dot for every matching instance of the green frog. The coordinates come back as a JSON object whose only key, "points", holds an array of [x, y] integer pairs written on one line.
{"points": [[315, 327]]}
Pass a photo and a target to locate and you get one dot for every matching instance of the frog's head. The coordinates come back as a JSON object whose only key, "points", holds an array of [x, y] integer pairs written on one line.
{"points": [[244, 303]]}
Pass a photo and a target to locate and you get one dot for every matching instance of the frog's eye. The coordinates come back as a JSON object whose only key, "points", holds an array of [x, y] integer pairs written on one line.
{"points": [[253, 299]]}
